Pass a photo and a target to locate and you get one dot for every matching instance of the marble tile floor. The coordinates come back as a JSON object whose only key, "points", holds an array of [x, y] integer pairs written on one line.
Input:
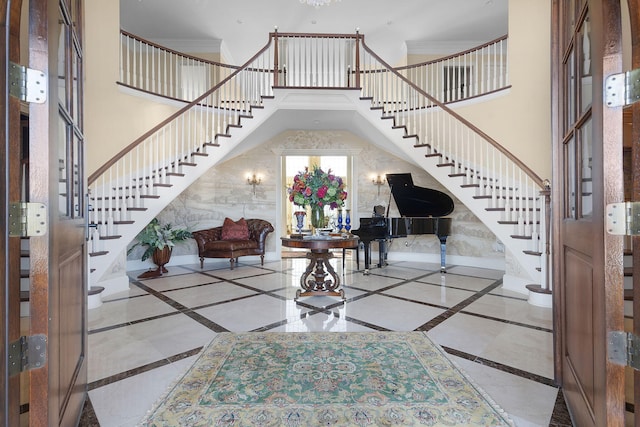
{"points": [[142, 340]]}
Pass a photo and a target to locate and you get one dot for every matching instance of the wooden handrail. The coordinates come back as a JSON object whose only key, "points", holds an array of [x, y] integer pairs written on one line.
{"points": [[470, 125], [175, 52], [453, 55], [178, 113]]}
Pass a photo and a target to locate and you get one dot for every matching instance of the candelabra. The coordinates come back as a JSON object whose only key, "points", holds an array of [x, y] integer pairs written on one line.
{"points": [[379, 181], [253, 181]]}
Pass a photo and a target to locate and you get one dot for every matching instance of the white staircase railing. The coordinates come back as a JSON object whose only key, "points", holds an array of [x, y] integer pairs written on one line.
{"points": [[136, 176], [467, 153], [475, 72], [152, 68]]}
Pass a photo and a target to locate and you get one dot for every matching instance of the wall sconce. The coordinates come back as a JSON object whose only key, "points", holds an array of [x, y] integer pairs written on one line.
{"points": [[254, 180], [379, 181]]}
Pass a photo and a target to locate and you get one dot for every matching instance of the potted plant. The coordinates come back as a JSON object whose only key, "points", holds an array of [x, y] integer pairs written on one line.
{"points": [[159, 240]]}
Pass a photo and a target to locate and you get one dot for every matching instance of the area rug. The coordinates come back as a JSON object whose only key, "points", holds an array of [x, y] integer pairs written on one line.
{"points": [[324, 379]]}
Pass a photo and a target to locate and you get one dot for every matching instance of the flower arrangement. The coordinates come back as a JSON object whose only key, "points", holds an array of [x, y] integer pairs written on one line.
{"points": [[317, 188]]}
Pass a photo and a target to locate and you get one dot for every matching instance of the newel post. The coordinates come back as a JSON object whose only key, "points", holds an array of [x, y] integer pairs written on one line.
{"points": [[275, 57], [358, 57]]}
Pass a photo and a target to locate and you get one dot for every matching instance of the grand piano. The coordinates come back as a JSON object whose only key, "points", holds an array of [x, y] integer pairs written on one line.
{"points": [[421, 212]]}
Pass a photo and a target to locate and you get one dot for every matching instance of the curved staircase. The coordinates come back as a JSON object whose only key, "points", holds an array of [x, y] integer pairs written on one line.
{"points": [[134, 186]]}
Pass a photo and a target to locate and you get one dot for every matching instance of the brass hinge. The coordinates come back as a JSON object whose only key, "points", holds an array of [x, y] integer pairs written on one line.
{"points": [[27, 84], [622, 89], [27, 219], [623, 219], [27, 353]]}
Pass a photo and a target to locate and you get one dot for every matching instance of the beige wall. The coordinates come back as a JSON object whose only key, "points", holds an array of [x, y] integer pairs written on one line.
{"points": [[521, 120], [113, 119]]}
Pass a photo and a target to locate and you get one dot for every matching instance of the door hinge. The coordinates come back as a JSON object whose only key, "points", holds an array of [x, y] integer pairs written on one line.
{"points": [[27, 219], [622, 89], [27, 84], [27, 353], [623, 219]]}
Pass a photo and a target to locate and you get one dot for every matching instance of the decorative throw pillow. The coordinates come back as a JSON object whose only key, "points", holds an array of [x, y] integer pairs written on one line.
{"points": [[235, 230]]}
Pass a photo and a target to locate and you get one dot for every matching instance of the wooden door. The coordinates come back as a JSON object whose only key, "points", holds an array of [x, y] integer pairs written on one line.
{"points": [[588, 292], [634, 191], [56, 178], [10, 194]]}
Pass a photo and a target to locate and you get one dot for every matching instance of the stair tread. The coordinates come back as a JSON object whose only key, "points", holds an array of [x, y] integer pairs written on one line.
{"points": [[99, 253]]}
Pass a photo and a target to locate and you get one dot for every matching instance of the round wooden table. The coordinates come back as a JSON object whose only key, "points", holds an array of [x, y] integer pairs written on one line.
{"points": [[319, 265]]}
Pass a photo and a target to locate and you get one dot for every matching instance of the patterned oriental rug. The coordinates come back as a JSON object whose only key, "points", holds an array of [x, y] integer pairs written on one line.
{"points": [[325, 379]]}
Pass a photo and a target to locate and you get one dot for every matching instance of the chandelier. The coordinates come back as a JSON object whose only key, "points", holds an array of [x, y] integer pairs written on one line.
{"points": [[317, 3]]}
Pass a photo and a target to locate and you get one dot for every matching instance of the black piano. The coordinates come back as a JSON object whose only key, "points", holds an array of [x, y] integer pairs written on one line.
{"points": [[421, 212]]}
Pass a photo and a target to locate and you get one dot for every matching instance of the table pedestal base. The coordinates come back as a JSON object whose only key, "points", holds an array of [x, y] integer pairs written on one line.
{"points": [[318, 284]]}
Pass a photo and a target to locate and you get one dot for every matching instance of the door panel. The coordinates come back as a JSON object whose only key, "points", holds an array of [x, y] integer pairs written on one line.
{"points": [[587, 171], [58, 259], [10, 193], [579, 348]]}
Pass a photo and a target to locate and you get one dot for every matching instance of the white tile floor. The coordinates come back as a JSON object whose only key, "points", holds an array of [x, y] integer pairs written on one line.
{"points": [[142, 340]]}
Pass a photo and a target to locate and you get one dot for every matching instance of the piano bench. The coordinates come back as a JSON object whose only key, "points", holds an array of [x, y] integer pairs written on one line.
{"points": [[357, 249]]}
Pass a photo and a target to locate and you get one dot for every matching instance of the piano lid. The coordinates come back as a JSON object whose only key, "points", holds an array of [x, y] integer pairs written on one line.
{"points": [[414, 201]]}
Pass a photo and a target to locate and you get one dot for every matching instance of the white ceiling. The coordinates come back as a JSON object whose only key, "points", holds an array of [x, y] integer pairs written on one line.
{"points": [[390, 27]]}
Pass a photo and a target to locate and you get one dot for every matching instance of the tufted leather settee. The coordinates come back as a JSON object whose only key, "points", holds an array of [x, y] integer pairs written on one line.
{"points": [[211, 244]]}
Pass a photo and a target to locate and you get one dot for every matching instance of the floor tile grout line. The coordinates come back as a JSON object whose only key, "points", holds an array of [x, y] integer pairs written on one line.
{"points": [[142, 369], [458, 307], [508, 322], [182, 308], [501, 367]]}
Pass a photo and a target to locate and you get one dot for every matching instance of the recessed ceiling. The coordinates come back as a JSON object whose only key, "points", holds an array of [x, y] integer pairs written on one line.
{"points": [[242, 26]]}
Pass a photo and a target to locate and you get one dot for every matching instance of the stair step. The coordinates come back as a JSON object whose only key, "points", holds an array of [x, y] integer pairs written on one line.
{"points": [[517, 236], [24, 296], [533, 253], [199, 154], [24, 253], [188, 164], [513, 209], [24, 274], [456, 175], [114, 237], [514, 222], [209, 144], [433, 155], [442, 165], [99, 253], [470, 185], [628, 294], [628, 271], [149, 196], [419, 145], [163, 185]]}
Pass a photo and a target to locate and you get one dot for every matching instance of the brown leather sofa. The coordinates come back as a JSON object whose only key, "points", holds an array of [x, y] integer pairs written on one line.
{"points": [[211, 244]]}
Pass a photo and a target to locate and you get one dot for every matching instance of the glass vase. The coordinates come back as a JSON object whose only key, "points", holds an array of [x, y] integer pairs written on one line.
{"points": [[317, 217]]}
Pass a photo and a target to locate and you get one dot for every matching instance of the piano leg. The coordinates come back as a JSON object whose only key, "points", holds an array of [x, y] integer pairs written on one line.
{"points": [[382, 253], [443, 253], [367, 256]]}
